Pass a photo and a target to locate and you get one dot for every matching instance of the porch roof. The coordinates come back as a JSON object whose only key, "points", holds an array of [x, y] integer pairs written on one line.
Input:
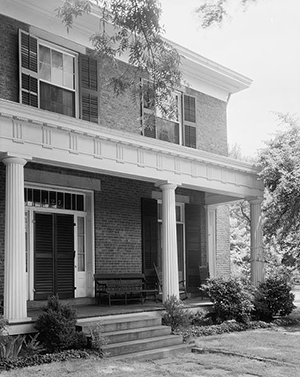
{"points": [[58, 140]]}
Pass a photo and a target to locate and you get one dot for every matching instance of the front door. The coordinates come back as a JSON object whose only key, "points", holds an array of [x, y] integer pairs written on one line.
{"points": [[54, 256]]}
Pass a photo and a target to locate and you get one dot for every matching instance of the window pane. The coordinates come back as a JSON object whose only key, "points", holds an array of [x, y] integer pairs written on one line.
{"points": [[57, 99], [68, 63], [45, 71], [178, 213], [57, 76], [45, 54], [57, 59], [167, 131], [68, 80]]}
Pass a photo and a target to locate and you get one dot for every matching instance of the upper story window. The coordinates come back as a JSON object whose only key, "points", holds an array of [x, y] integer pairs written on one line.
{"points": [[55, 79], [174, 128]]}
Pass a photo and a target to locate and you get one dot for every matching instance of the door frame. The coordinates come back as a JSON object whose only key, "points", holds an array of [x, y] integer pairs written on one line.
{"points": [[88, 214]]}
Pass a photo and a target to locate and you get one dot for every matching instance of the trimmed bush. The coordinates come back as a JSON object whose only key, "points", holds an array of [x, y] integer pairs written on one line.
{"points": [[231, 297], [57, 327], [273, 297], [175, 315]]}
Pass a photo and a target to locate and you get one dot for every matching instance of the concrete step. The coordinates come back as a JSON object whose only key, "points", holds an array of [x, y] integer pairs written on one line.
{"points": [[155, 354], [136, 334], [116, 349], [122, 322]]}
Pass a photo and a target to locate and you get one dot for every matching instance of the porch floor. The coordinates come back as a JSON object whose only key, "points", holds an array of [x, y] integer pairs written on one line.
{"points": [[95, 310]]}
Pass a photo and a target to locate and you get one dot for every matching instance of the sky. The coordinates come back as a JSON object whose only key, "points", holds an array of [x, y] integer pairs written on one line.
{"points": [[263, 44]]}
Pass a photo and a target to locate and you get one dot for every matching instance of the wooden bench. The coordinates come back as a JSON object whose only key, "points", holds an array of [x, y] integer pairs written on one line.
{"points": [[123, 287]]}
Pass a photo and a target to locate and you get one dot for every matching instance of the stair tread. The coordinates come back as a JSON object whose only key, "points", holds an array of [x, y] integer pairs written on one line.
{"points": [[146, 340], [136, 330]]}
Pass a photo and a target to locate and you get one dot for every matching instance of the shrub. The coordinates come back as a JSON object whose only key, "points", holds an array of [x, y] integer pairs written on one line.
{"points": [[10, 346], [57, 326], [98, 340], [32, 345], [200, 318], [273, 297], [175, 315], [231, 297]]}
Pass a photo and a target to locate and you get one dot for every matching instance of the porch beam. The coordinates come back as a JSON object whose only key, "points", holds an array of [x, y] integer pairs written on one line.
{"points": [[15, 294], [257, 257], [169, 242]]}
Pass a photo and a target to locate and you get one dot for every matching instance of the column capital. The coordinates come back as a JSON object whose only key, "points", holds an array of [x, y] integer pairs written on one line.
{"points": [[257, 200], [13, 158], [166, 185]]}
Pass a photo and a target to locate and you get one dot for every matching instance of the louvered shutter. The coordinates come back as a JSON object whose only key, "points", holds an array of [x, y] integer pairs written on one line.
{"points": [[149, 236], [64, 282], [28, 58], [190, 133], [193, 245], [190, 136], [89, 88], [44, 256]]}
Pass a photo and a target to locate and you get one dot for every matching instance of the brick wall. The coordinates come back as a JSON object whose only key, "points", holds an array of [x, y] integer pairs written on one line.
{"points": [[223, 241], [120, 112], [211, 123]]}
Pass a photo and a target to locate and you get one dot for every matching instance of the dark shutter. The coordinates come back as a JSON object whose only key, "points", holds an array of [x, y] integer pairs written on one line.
{"points": [[64, 256], [189, 109], [89, 88], [193, 245], [149, 235], [28, 52], [190, 136], [44, 255]]}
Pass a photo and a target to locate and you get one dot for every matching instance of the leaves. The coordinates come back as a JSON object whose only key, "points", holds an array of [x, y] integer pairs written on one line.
{"points": [[280, 164]]}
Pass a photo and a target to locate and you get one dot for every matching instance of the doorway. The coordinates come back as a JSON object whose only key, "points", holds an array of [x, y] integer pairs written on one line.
{"points": [[54, 255]]}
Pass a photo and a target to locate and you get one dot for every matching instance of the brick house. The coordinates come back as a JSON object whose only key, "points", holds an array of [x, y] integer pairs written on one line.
{"points": [[101, 191]]}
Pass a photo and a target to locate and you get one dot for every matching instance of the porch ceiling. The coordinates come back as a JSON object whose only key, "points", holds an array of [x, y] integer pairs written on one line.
{"points": [[59, 140]]}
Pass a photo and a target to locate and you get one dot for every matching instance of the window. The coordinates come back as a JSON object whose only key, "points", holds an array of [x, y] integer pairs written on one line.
{"points": [[190, 136], [154, 123], [80, 244], [169, 128], [49, 79], [53, 199]]}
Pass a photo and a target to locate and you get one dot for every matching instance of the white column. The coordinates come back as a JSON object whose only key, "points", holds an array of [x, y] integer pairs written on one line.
{"points": [[211, 239], [169, 242], [257, 257], [15, 298]]}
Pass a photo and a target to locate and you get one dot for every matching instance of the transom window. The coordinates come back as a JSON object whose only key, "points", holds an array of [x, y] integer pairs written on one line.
{"points": [[53, 199]]}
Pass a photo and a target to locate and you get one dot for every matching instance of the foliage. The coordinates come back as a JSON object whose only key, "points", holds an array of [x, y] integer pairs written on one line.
{"points": [[137, 35], [273, 297], [175, 315], [57, 326], [231, 297], [199, 318], [10, 346], [98, 340], [32, 345], [280, 171], [215, 12], [39, 359]]}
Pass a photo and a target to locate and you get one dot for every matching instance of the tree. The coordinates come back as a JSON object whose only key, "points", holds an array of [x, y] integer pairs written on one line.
{"points": [[215, 12], [136, 33], [280, 164]]}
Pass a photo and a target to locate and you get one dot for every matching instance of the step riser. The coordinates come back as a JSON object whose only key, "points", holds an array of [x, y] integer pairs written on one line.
{"points": [[119, 326], [143, 334], [148, 344]]}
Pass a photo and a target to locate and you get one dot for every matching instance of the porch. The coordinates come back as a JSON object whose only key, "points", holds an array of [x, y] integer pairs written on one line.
{"points": [[88, 311]]}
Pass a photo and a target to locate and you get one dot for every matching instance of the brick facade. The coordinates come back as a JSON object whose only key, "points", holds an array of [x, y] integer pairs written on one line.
{"points": [[223, 241]]}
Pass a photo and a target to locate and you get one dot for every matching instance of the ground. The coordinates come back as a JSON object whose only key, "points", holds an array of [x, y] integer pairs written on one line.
{"points": [[255, 353]]}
